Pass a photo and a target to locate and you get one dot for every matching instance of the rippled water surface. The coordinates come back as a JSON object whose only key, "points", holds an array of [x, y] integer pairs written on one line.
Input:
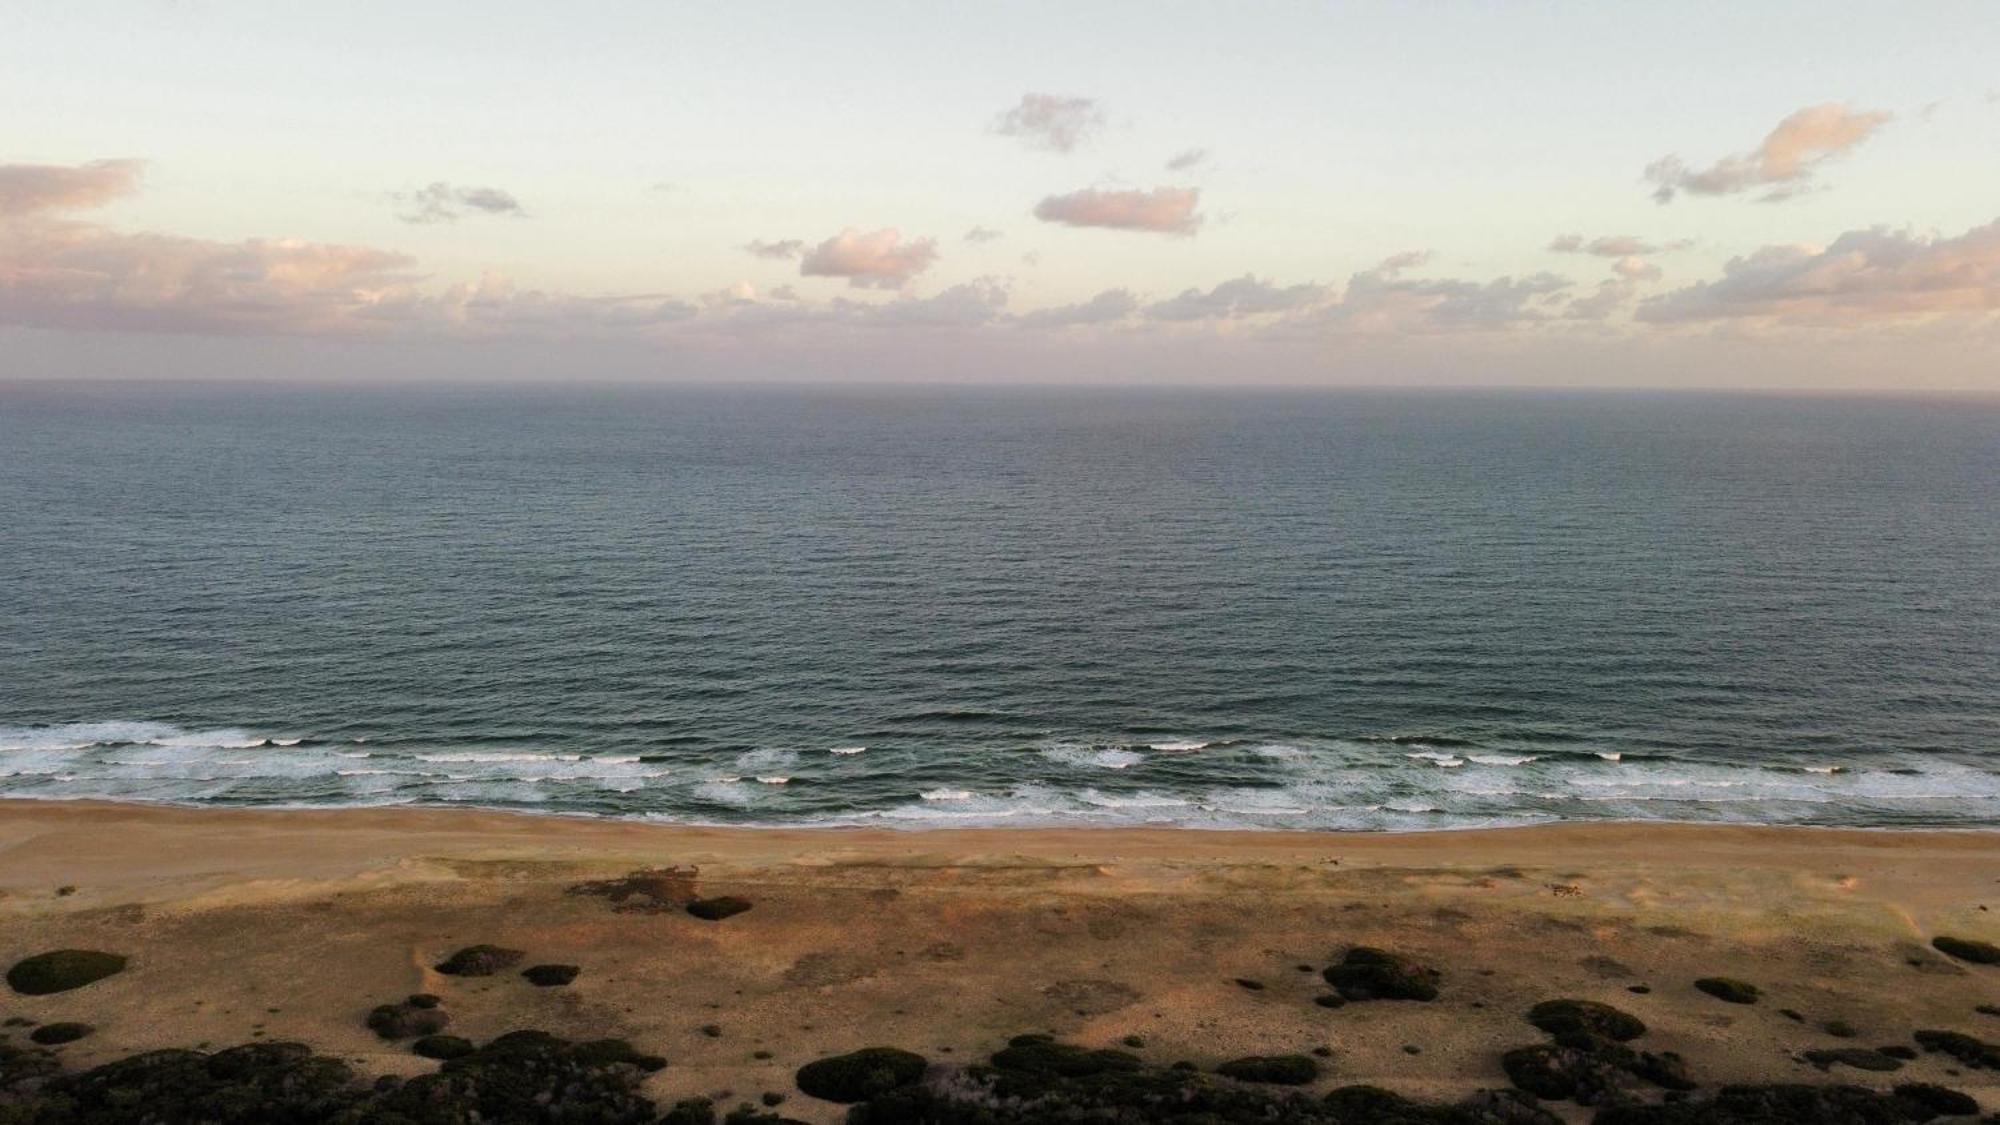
{"points": [[1362, 610]]}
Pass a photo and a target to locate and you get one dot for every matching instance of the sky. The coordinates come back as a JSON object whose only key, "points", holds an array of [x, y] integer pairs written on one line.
{"points": [[1763, 195]]}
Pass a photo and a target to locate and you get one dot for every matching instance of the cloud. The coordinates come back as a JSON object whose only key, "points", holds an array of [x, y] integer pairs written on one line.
{"points": [[1108, 307], [788, 249], [27, 189], [1609, 296], [1610, 246], [1050, 121], [1784, 163], [877, 259], [1383, 300], [1166, 210], [1634, 268], [442, 203], [1864, 276], [983, 234], [1183, 161], [1245, 296], [75, 275]]}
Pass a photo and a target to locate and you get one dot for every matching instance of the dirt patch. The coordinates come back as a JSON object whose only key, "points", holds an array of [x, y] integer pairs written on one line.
{"points": [[657, 890]]}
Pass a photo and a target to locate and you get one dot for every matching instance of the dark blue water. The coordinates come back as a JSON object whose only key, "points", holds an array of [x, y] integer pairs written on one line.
{"points": [[1371, 610]]}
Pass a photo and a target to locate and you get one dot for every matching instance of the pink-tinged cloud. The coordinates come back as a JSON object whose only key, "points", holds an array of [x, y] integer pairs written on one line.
{"points": [[1051, 121], [1636, 269], [872, 260], [1865, 276], [27, 189], [1165, 210], [82, 276], [1609, 246], [1784, 163]]}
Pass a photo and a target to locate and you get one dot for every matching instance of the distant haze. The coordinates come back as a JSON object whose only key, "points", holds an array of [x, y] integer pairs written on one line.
{"points": [[1779, 195]]}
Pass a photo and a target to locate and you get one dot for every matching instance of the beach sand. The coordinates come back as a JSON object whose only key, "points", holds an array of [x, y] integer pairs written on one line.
{"points": [[290, 925]]}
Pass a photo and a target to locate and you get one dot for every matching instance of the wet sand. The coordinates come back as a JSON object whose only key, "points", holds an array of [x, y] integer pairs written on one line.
{"points": [[290, 925]]}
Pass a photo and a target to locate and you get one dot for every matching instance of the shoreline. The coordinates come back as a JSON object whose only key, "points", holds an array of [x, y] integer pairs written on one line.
{"points": [[250, 924]]}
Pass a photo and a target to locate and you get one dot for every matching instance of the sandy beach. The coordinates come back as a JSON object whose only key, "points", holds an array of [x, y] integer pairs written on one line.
{"points": [[246, 925]]}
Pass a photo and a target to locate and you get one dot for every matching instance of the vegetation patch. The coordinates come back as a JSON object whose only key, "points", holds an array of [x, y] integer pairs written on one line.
{"points": [[1729, 989], [480, 961], [1368, 973], [60, 970]]}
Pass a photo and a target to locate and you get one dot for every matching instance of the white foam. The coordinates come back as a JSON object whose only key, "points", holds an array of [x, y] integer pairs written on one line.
{"points": [[946, 794], [1611, 755], [848, 750], [774, 781], [1172, 747], [1112, 758], [1443, 761], [1502, 759]]}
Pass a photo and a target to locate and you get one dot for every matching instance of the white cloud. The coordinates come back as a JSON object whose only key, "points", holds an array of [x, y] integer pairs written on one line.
{"points": [[1108, 307], [786, 250], [1242, 297], [1865, 276], [440, 202], [1182, 161], [1051, 121]]}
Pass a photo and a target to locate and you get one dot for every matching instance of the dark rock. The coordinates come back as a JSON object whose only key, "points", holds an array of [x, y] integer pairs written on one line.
{"points": [[61, 970], [1860, 1058], [1639, 989], [860, 1075], [550, 976], [1898, 1051], [1967, 949], [1331, 1000], [1558, 1017], [1839, 1029], [712, 1030], [53, 1034], [716, 909], [442, 1047], [1972, 1052], [1249, 985], [480, 961], [423, 1000], [1367, 973], [1278, 1070], [1988, 1009], [401, 1021], [1729, 989], [1133, 1041], [1792, 1014]]}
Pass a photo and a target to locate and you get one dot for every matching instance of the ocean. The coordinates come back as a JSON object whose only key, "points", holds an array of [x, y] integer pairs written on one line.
{"points": [[942, 607]]}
